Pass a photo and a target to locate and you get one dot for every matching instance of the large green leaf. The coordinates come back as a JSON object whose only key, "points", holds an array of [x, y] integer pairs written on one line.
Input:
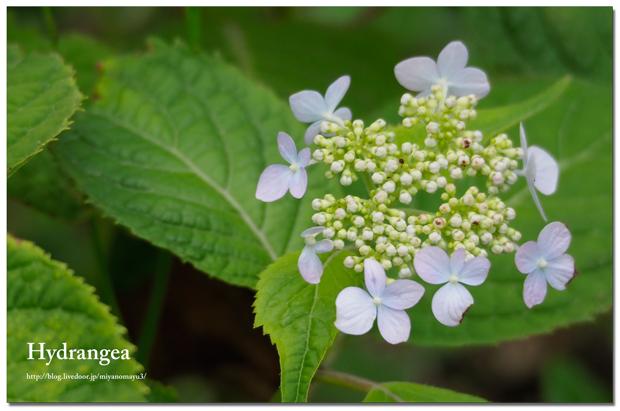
{"points": [[47, 304], [41, 97], [174, 149], [577, 131], [408, 392], [300, 317]]}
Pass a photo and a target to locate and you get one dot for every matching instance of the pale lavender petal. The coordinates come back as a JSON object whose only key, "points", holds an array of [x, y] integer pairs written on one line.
{"points": [[287, 148], [432, 265], [308, 106], [402, 294], [335, 93], [527, 257], [374, 275], [394, 325], [425, 93], [560, 271], [303, 159], [469, 81], [355, 311], [547, 170], [273, 183], [298, 183], [417, 74], [312, 231], [324, 246], [554, 240], [523, 144], [450, 303], [530, 176], [457, 259], [312, 131], [475, 271], [344, 113], [452, 59], [535, 288], [310, 265]]}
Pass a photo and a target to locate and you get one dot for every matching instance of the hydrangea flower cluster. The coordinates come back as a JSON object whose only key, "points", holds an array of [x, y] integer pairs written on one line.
{"points": [[434, 149]]}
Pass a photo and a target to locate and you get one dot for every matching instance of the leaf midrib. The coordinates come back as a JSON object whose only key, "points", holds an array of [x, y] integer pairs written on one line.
{"points": [[200, 174]]}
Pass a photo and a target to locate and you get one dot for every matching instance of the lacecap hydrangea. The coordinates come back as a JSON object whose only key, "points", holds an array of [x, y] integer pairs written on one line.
{"points": [[437, 147]]}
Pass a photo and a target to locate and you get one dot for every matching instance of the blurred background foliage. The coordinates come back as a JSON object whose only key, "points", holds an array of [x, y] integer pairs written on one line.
{"points": [[205, 346]]}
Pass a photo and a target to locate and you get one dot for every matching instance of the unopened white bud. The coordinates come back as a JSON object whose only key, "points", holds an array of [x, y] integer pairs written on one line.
{"points": [[416, 175], [407, 148], [378, 229], [390, 186], [328, 233], [458, 235], [441, 182], [352, 206], [456, 221], [486, 238], [359, 268], [338, 244], [404, 272], [319, 219], [477, 136], [402, 250], [463, 161], [432, 127], [497, 178], [350, 156], [434, 167], [445, 208], [360, 165], [318, 155], [381, 197], [367, 235], [431, 187], [340, 214], [477, 162], [469, 200], [351, 235], [380, 140], [337, 167], [390, 250], [464, 114], [371, 166], [387, 264], [391, 166], [456, 173], [346, 180], [377, 125], [498, 219], [349, 262], [434, 237], [378, 217], [510, 214], [377, 178], [430, 142], [381, 152], [316, 204], [497, 249], [359, 221], [406, 99]]}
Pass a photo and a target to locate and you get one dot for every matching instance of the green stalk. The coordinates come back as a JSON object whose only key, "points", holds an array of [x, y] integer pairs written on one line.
{"points": [[192, 20], [51, 25], [370, 185], [153, 313]]}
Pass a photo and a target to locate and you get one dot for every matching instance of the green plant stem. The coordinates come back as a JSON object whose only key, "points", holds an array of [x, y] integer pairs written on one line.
{"points": [[192, 21], [151, 321], [341, 379], [370, 185], [51, 25], [106, 289]]}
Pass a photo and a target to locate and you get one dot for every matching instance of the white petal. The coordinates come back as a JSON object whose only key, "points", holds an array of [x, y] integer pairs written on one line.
{"points": [[273, 183], [355, 311], [394, 325], [547, 170], [560, 271], [535, 288], [287, 148], [417, 74], [554, 240], [530, 176], [308, 106], [303, 159], [344, 113], [457, 259], [527, 257], [424, 94], [402, 294], [312, 131], [335, 93], [310, 265], [452, 59], [312, 231], [475, 271], [432, 265], [523, 144], [374, 276], [469, 81], [324, 246], [450, 303], [299, 183]]}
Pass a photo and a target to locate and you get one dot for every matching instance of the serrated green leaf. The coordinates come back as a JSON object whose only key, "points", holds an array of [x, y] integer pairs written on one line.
{"points": [[41, 97], [583, 201], [174, 149], [409, 392], [299, 317], [496, 120], [44, 186], [47, 304]]}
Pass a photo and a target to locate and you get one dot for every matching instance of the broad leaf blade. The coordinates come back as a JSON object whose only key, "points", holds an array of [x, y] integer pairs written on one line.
{"points": [[583, 201], [300, 317], [174, 149], [48, 304], [41, 97], [409, 392]]}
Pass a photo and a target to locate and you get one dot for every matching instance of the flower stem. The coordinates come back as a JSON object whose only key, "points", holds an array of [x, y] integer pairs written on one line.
{"points": [[51, 25], [370, 185], [341, 379], [151, 321], [192, 20]]}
